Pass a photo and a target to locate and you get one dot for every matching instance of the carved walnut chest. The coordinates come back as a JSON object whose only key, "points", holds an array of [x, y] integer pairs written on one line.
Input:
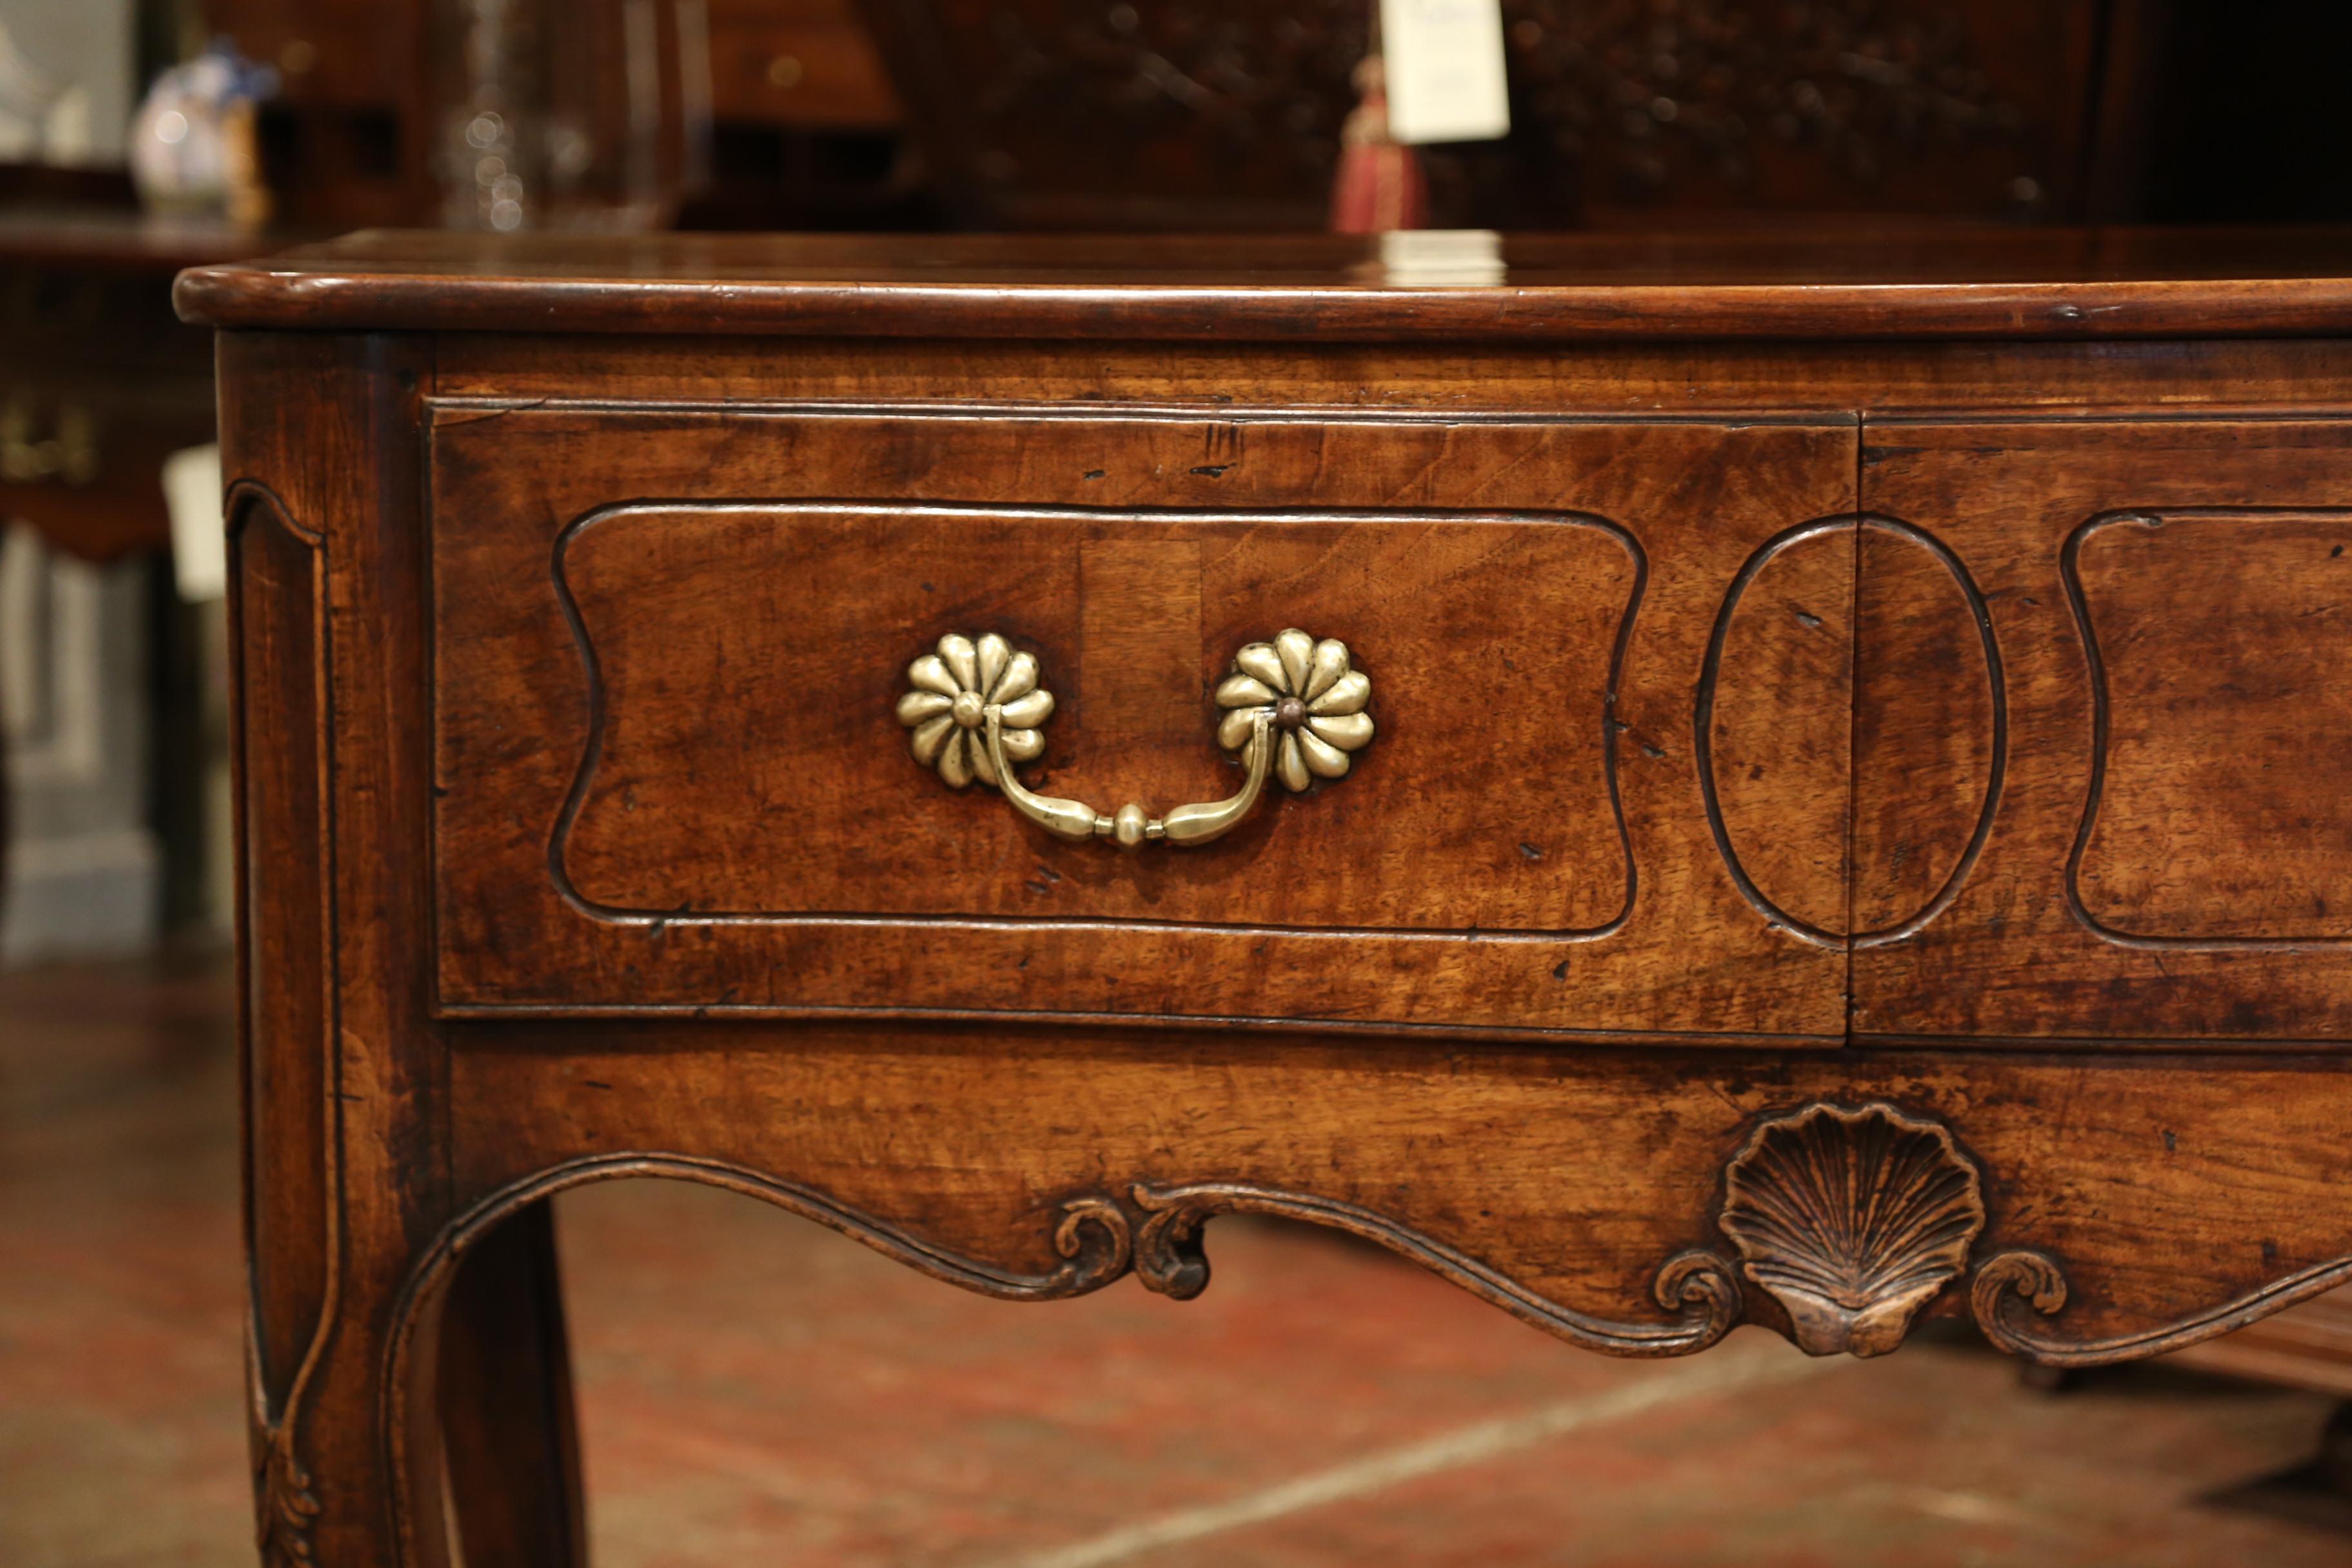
{"points": [[1672, 783]]}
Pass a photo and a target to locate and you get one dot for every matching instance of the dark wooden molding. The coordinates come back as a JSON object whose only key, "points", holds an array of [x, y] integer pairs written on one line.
{"points": [[286, 1505], [1917, 281], [242, 497], [1853, 1220]]}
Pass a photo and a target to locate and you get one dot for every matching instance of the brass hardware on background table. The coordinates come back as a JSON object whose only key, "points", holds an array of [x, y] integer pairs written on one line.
{"points": [[66, 452], [1293, 708]]}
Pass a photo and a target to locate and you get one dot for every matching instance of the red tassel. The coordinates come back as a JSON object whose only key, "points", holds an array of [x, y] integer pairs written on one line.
{"points": [[1380, 185]]}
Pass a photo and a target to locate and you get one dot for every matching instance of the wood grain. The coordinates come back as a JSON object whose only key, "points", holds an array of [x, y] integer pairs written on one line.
{"points": [[1927, 281], [748, 646], [2223, 705], [2211, 673], [279, 746], [2068, 777], [2170, 1187], [1141, 645], [1437, 379], [1930, 730], [1774, 727]]}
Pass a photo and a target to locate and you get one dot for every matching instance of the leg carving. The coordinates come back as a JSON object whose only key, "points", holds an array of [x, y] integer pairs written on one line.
{"points": [[285, 1507], [1092, 1234], [508, 1437], [279, 625], [1155, 1232]]}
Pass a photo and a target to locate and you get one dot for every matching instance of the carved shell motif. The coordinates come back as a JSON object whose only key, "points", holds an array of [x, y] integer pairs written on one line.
{"points": [[1853, 1220]]}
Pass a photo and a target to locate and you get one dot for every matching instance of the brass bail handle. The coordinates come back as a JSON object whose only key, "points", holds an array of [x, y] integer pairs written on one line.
{"points": [[1292, 707]]}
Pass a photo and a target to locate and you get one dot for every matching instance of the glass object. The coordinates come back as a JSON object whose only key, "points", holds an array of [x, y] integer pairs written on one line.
{"points": [[569, 113], [194, 149]]}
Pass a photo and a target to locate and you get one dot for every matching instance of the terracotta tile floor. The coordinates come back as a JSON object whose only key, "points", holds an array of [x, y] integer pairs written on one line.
{"points": [[756, 1390]]}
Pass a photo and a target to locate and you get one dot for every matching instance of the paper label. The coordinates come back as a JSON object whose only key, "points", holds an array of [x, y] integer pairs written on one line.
{"points": [[1445, 65], [192, 493]]}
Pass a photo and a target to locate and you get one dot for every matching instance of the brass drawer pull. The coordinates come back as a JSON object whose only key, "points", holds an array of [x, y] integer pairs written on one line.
{"points": [[1293, 708]]}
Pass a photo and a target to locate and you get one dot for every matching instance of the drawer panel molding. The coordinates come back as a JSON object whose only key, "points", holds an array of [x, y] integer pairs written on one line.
{"points": [[1931, 733], [734, 751], [670, 648], [2168, 858], [1770, 737], [2220, 694]]}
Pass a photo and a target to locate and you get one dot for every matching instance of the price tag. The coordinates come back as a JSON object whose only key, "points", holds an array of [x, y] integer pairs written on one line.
{"points": [[1444, 65]]}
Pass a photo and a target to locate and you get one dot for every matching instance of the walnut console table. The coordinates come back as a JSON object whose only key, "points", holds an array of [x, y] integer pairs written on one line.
{"points": [[1716, 781]]}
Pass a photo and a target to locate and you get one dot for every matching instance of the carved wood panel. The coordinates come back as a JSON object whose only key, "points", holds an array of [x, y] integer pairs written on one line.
{"points": [[1773, 730], [2167, 738], [736, 685], [2221, 717], [669, 774], [279, 649], [1931, 733], [1635, 1203], [1854, 1219]]}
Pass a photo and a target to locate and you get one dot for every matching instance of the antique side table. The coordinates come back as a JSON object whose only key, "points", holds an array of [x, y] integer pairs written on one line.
{"points": [[98, 385], [1799, 782]]}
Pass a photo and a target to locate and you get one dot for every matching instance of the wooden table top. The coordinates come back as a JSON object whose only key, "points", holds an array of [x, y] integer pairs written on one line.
{"points": [[113, 239], [1912, 282]]}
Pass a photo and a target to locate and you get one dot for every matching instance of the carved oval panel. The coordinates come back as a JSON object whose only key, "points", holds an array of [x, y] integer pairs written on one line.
{"points": [[1930, 728], [1853, 670], [1773, 725]]}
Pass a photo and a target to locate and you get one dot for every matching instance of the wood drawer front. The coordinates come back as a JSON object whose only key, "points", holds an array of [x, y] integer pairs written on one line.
{"points": [[668, 644], [2170, 855]]}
